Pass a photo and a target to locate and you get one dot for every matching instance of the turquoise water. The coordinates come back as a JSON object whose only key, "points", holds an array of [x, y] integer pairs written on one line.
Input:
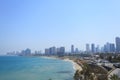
{"points": [[34, 68]]}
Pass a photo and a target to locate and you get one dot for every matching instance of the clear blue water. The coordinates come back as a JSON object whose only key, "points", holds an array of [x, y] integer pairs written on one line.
{"points": [[34, 68]]}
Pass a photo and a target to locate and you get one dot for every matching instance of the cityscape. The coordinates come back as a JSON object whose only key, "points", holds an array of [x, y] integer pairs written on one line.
{"points": [[59, 39], [90, 49], [105, 60]]}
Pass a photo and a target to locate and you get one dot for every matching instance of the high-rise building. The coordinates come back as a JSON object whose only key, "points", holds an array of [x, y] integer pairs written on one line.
{"points": [[107, 47], [97, 49], [39, 52], [112, 47], [72, 48], [47, 51], [87, 48], [76, 50], [26, 52], [102, 50], [22, 52], [93, 48], [117, 44], [52, 50], [61, 51], [58, 50]]}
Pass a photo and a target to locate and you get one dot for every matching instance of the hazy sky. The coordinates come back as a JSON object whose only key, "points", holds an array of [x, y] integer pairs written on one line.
{"points": [[38, 24]]}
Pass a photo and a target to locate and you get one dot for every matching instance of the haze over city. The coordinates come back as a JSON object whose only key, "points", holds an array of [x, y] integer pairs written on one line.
{"points": [[38, 24]]}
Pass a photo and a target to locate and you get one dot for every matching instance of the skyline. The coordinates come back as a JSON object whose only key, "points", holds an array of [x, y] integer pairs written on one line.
{"points": [[41, 24], [89, 48]]}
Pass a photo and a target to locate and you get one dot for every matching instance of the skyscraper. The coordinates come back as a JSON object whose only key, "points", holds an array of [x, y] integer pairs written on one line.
{"points": [[112, 47], [87, 48], [26, 52], [76, 50], [61, 51], [52, 50], [109, 47], [58, 50], [72, 48], [117, 44], [93, 48], [97, 49], [47, 51]]}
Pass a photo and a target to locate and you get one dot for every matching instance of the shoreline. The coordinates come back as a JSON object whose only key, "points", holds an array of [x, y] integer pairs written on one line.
{"points": [[75, 65], [49, 57]]}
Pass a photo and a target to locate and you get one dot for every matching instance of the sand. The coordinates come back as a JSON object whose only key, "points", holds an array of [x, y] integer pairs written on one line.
{"points": [[75, 65]]}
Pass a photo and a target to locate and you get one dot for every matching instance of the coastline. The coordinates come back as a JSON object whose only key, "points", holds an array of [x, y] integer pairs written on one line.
{"points": [[75, 65], [49, 57]]}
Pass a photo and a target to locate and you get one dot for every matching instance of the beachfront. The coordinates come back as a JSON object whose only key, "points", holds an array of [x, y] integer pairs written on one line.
{"points": [[75, 65]]}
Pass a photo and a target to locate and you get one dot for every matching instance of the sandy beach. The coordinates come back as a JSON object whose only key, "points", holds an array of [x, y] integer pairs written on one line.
{"points": [[50, 57], [75, 65]]}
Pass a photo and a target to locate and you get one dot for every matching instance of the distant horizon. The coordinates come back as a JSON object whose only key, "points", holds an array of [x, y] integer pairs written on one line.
{"points": [[39, 24], [69, 49]]}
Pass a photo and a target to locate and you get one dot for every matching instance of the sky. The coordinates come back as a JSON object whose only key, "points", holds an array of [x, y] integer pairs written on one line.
{"points": [[40, 24]]}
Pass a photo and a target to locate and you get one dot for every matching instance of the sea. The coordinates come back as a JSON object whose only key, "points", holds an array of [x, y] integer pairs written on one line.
{"points": [[35, 68]]}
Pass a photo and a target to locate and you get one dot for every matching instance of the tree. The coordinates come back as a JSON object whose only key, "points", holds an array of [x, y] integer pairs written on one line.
{"points": [[114, 77], [77, 75], [110, 58]]}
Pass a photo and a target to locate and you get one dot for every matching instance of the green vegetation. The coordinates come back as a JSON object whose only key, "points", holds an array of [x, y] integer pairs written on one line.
{"points": [[114, 77], [112, 57], [90, 72], [115, 59], [78, 75]]}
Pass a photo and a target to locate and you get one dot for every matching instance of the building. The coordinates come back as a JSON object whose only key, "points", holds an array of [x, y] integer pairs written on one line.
{"points": [[87, 48], [107, 47], [26, 52], [37, 52], [76, 50], [47, 51], [61, 51], [112, 47], [97, 49], [102, 49], [52, 50], [58, 50], [93, 48], [117, 40], [72, 48]]}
